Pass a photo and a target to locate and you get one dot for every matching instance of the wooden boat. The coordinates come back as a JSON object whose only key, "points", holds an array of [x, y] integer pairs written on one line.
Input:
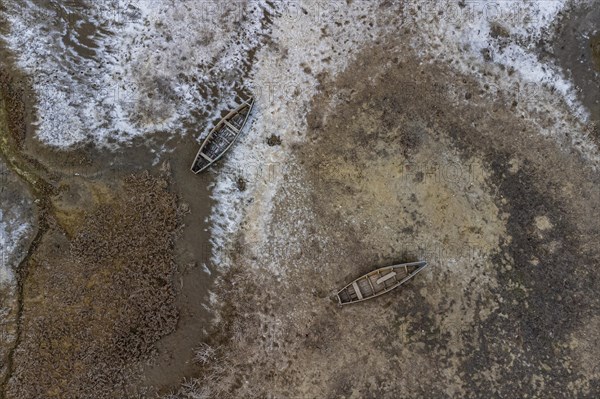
{"points": [[378, 282], [222, 136]]}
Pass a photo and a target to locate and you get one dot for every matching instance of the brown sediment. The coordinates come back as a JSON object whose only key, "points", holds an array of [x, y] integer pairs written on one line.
{"points": [[595, 46], [274, 140], [406, 169], [13, 125], [73, 186], [388, 175], [14, 99], [22, 274], [576, 48]]}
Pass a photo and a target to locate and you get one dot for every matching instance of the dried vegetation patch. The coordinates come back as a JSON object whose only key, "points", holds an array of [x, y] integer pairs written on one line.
{"points": [[94, 306]]}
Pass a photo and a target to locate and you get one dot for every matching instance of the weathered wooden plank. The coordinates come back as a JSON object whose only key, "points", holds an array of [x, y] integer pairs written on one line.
{"points": [[229, 125], [209, 159], [357, 290], [386, 277], [371, 284]]}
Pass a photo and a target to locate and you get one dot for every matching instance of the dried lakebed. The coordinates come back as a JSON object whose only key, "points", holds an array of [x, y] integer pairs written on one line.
{"points": [[102, 283], [448, 173], [409, 151]]}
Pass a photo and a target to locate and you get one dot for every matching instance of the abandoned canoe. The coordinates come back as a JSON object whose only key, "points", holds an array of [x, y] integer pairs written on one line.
{"points": [[222, 136], [378, 282]]}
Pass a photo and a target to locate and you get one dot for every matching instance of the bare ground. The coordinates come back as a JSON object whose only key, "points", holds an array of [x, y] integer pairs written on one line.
{"points": [[16, 202], [99, 294], [409, 161]]}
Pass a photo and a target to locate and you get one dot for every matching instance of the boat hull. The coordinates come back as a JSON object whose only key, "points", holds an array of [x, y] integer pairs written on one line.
{"points": [[222, 137], [379, 282]]}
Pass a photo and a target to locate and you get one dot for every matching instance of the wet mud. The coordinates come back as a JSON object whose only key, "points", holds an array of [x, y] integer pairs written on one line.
{"points": [[577, 49]]}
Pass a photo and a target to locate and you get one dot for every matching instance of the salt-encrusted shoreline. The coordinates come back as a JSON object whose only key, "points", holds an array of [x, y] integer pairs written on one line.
{"points": [[155, 67], [500, 43], [461, 37], [285, 84], [13, 231], [113, 71], [148, 65]]}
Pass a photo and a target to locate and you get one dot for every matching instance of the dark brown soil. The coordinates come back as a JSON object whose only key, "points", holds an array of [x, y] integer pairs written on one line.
{"points": [[553, 301], [68, 186], [13, 92], [274, 140], [416, 162]]}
